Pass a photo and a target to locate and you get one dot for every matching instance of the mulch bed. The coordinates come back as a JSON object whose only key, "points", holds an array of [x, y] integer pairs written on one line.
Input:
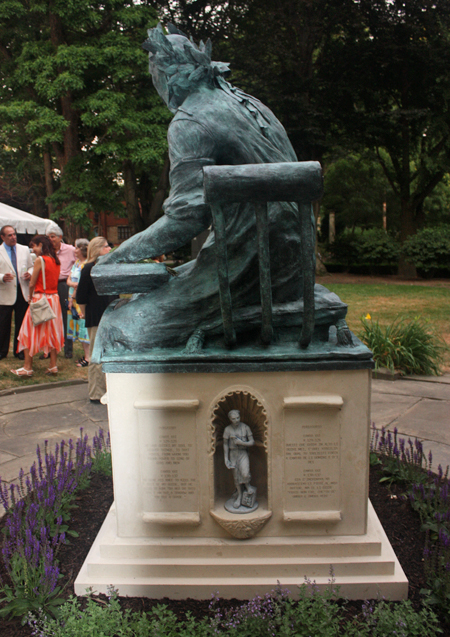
{"points": [[401, 523]]}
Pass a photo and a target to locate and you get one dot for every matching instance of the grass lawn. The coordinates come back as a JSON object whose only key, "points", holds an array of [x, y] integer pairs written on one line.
{"points": [[384, 301], [67, 369]]}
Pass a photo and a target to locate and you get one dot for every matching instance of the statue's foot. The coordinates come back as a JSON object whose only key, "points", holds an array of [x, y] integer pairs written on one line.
{"points": [[195, 342], [237, 503], [343, 334]]}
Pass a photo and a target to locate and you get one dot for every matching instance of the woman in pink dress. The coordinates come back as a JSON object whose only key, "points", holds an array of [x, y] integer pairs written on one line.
{"points": [[49, 336]]}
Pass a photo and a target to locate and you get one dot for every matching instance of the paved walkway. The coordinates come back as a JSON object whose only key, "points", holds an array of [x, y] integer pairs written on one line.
{"points": [[419, 407], [51, 412]]}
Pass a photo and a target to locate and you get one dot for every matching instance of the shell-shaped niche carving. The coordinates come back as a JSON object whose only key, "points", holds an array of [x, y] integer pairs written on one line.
{"points": [[242, 528], [252, 413]]}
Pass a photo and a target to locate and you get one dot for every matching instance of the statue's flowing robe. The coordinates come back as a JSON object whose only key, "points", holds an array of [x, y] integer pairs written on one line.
{"points": [[217, 127]]}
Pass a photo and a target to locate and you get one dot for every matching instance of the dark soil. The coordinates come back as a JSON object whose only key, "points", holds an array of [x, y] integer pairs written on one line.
{"points": [[401, 523]]}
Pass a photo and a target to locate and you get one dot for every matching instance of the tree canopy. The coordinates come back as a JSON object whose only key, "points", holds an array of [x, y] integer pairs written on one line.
{"points": [[80, 118], [77, 104], [389, 82], [352, 74]]}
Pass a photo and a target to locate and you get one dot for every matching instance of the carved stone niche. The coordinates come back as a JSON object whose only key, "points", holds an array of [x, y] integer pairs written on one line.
{"points": [[253, 414]]}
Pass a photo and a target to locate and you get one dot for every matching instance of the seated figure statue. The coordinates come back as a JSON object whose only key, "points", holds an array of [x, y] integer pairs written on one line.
{"points": [[214, 124]]}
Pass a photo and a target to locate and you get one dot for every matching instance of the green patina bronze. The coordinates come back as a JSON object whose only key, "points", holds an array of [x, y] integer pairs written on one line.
{"points": [[252, 284]]}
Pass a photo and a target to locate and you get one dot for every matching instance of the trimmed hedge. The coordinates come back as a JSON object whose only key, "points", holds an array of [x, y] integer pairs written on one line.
{"points": [[429, 249], [375, 251], [372, 247]]}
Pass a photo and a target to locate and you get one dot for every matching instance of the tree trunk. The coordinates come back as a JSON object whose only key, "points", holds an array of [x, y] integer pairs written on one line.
{"points": [[48, 180], [70, 232], [160, 194], [131, 199], [71, 144], [71, 141], [320, 267], [407, 228]]}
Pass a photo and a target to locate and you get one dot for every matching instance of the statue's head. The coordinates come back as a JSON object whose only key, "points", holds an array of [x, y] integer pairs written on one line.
{"points": [[178, 66], [234, 415]]}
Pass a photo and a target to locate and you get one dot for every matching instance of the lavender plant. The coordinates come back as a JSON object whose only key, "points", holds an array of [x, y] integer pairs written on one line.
{"points": [[278, 614], [101, 453], [32, 568], [437, 570], [401, 460], [429, 495], [432, 501], [260, 616], [52, 482], [37, 515]]}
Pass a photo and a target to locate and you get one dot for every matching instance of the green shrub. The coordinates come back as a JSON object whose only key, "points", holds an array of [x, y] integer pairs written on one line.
{"points": [[344, 249], [376, 247], [429, 248], [274, 615], [384, 618], [411, 347], [371, 247]]}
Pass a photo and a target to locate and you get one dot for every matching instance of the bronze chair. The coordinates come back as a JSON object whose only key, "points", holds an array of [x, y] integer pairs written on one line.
{"points": [[299, 182]]}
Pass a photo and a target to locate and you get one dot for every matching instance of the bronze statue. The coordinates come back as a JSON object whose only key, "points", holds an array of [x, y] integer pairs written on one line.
{"points": [[214, 123]]}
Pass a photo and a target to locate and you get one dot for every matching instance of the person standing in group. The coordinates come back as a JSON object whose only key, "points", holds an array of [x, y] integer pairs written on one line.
{"points": [[92, 307], [66, 256], [47, 336], [76, 329], [15, 263]]}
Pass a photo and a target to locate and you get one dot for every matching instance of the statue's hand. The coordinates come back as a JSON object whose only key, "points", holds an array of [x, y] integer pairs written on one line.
{"points": [[229, 465], [112, 257]]}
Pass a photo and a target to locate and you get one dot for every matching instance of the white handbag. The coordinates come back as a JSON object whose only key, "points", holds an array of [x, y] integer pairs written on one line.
{"points": [[40, 311]]}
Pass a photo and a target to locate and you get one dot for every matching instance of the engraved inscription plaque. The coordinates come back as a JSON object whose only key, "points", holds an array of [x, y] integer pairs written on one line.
{"points": [[311, 461], [168, 461]]}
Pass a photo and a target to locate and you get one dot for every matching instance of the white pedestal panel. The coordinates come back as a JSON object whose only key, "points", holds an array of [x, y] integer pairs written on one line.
{"points": [[169, 534]]}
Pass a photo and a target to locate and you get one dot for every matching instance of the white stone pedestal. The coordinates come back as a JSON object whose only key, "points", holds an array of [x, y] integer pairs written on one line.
{"points": [[168, 533]]}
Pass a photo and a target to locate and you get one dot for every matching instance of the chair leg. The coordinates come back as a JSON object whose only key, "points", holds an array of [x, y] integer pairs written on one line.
{"points": [[222, 271], [262, 226], [308, 268]]}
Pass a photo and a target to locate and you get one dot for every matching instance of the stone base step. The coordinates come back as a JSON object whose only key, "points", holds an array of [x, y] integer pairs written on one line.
{"points": [[351, 587], [199, 547], [269, 567], [363, 566]]}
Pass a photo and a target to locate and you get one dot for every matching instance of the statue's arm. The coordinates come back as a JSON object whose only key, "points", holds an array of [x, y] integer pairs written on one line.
{"points": [[226, 448], [226, 454], [250, 440], [191, 147]]}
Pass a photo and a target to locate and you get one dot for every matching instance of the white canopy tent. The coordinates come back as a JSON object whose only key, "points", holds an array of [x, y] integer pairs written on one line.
{"points": [[22, 222]]}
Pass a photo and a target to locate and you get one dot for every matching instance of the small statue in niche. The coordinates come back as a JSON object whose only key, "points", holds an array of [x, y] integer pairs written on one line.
{"points": [[236, 438]]}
